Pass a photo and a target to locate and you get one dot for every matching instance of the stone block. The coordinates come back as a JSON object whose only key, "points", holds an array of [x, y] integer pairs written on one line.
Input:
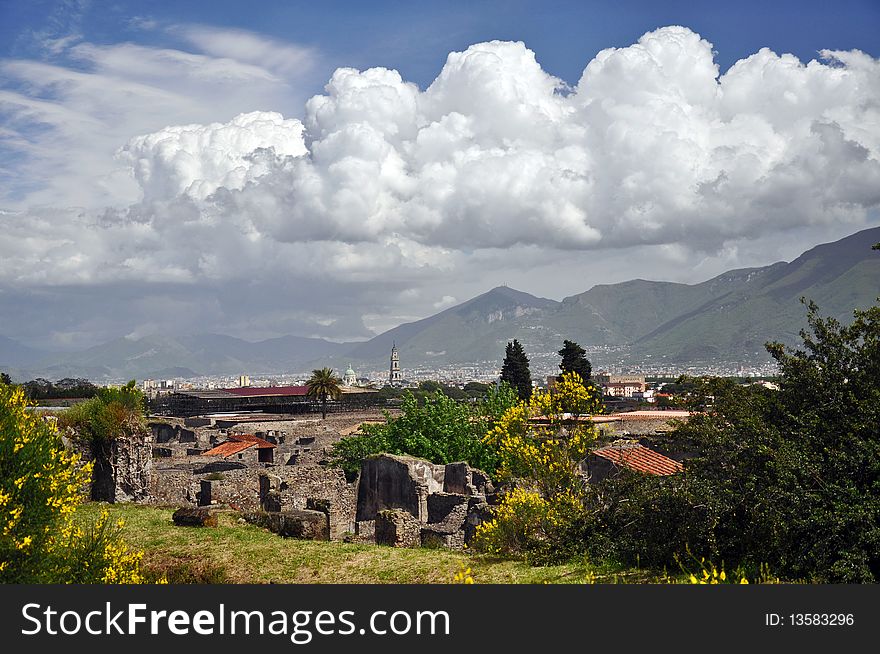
{"points": [[447, 507], [298, 523], [397, 528], [432, 536], [194, 517]]}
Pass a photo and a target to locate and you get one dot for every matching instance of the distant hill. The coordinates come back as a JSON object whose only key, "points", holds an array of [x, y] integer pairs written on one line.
{"points": [[838, 276], [469, 332], [725, 319], [161, 356], [15, 355]]}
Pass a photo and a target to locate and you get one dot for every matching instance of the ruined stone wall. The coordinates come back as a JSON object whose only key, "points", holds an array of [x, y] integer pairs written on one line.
{"points": [[408, 502], [301, 483], [172, 486], [124, 470], [240, 488], [132, 463], [397, 482]]}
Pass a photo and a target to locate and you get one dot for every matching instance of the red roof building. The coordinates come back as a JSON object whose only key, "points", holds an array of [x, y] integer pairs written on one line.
{"points": [[238, 443], [266, 391], [607, 461]]}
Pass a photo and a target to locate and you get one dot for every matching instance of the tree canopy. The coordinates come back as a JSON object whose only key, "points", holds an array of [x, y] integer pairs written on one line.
{"points": [[574, 359], [515, 369], [43, 389], [787, 478], [439, 429], [324, 385]]}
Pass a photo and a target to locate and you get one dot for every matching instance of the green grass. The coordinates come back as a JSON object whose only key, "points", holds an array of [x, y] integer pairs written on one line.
{"points": [[234, 552]]}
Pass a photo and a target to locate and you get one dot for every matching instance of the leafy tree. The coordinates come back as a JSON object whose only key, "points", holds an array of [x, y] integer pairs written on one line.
{"points": [[543, 518], [5, 379], [41, 541], [439, 429], [574, 359], [476, 390], [323, 384], [786, 478], [42, 389], [515, 369], [455, 393], [499, 399], [431, 386], [389, 393]]}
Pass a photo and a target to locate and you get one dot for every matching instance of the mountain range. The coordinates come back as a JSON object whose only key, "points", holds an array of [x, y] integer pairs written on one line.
{"points": [[725, 319]]}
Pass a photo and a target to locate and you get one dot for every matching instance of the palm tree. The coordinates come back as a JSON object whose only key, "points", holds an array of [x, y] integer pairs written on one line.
{"points": [[323, 384]]}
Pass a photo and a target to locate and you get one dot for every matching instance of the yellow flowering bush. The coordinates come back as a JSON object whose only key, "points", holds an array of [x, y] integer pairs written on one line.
{"points": [[533, 527], [546, 452], [540, 444], [708, 574], [464, 575], [40, 488]]}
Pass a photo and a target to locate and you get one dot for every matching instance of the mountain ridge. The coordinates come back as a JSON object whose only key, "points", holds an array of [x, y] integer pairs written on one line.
{"points": [[728, 317]]}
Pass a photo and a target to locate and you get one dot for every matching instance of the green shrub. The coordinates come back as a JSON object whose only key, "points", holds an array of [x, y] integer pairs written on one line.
{"points": [[440, 429], [40, 485], [784, 478]]}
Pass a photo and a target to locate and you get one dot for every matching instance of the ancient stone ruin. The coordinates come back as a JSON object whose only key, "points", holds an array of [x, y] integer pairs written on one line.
{"points": [[121, 469], [408, 502], [277, 477]]}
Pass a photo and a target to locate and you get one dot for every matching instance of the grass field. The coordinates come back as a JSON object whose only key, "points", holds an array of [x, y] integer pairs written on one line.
{"points": [[241, 553]]}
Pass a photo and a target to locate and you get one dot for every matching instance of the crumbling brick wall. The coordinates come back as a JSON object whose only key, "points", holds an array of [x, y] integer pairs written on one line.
{"points": [[121, 468]]}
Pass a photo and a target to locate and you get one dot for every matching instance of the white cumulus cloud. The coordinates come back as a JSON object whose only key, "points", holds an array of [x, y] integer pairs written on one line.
{"points": [[196, 160], [651, 146], [654, 158]]}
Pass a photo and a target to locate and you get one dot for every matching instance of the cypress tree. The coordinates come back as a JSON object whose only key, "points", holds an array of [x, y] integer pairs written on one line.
{"points": [[515, 369], [574, 359]]}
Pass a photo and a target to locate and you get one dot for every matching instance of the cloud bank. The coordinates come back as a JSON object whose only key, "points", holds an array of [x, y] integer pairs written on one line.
{"points": [[496, 166], [650, 146]]}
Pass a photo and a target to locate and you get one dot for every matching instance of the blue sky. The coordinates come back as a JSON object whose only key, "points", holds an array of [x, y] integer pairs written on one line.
{"points": [[161, 160], [415, 37]]}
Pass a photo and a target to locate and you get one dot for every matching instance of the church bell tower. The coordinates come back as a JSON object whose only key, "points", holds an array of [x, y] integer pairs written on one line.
{"points": [[394, 377]]}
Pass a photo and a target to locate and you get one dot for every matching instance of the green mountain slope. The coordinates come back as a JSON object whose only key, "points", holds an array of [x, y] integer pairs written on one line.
{"points": [[469, 332], [838, 276], [725, 319]]}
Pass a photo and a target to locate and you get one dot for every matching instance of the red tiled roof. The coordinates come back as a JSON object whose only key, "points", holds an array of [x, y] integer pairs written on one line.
{"points": [[652, 415], [229, 448], [639, 458], [252, 391], [238, 443], [250, 438]]}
